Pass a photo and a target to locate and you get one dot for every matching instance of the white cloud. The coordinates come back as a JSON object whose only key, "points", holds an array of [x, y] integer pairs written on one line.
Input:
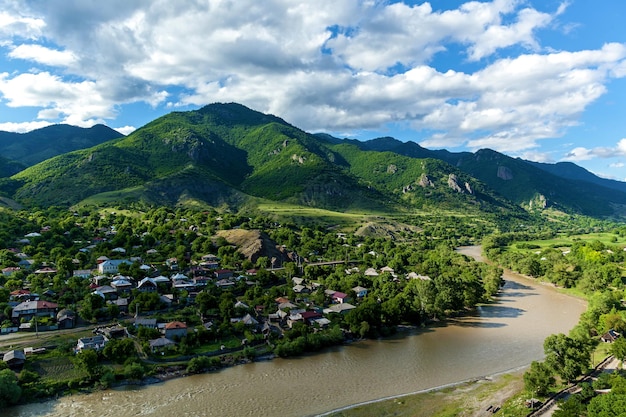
{"points": [[14, 24], [43, 55], [537, 156], [125, 130], [23, 127], [584, 154], [324, 65]]}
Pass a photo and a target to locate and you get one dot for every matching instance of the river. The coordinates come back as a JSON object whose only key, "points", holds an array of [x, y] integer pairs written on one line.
{"points": [[499, 337]]}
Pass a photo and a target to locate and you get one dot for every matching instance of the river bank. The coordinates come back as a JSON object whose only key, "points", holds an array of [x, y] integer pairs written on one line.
{"points": [[464, 399]]}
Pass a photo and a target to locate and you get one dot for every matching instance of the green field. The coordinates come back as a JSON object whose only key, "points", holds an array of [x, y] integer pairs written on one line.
{"points": [[567, 240]]}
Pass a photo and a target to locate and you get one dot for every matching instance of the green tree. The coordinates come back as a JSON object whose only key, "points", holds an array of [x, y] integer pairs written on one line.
{"points": [[618, 349], [87, 360], [567, 357], [571, 407], [10, 391], [118, 350], [539, 379], [607, 405]]}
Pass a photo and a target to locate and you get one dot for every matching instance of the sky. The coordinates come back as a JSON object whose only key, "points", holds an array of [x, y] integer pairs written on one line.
{"points": [[544, 80]]}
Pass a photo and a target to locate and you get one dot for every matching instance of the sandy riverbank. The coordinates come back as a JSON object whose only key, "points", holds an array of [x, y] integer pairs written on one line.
{"points": [[463, 399]]}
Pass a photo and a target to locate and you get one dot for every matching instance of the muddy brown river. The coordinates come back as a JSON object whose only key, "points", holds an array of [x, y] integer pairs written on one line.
{"points": [[499, 337]]}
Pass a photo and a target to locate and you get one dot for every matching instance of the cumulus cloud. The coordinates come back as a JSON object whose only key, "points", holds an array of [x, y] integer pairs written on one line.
{"points": [[583, 154], [324, 65], [23, 127], [43, 55], [125, 130]]}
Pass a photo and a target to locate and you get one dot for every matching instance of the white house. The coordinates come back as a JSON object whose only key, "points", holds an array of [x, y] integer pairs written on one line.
{"points": [[111, 266]]}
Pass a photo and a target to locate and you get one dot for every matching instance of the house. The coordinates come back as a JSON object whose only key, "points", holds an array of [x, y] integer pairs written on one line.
{"points": [[21, 294], [111, 266], [8, 271], [46, 270], [101, 259], [14, 359], [121, 303], [370, 272], [82, 273], [210, 258], [225, 283], [248, 320], [339, 297], [122, 284], [26, 263], [360, 291], [294, 318], [96, 342], [147, 285], [342, 308], [610, 336], [149, 323], [107, 292], [172, 263], [175, 330], [299, 289], [310, 316], [161, 344], [66, 319], [415, 275], [242, 305], [321, 322], [28, 309], [223, 274]]}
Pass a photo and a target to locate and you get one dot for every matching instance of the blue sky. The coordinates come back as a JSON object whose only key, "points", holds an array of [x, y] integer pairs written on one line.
{"points": [[544, 80]]}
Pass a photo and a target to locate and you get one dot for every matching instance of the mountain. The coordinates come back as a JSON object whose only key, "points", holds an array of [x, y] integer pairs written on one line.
{"points": [[571, 171], [230, 155], [41, 144], [227, 154], [565, 186], [9, 167]]}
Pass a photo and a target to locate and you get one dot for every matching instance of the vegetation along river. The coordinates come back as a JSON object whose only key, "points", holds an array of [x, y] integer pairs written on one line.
{"points": [[499, 337]]}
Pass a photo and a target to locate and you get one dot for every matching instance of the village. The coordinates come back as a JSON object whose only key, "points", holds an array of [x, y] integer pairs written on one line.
{"points": [[101, 298]]}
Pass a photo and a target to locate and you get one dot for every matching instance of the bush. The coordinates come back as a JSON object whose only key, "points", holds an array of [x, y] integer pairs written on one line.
{"points": [[202, 364], [134, 371]]}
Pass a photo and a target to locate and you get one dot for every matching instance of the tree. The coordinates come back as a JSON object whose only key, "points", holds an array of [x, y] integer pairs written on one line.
{"points": [[118, 350], [607, 405], [618, 349], [87, 360], [10, 391], [206, 301], [539, 379], [566, 356]]}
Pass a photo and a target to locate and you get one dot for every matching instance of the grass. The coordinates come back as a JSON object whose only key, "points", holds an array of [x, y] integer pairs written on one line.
{"points": [[566, 240], [57, 368], [472, 398], [313, 215]]}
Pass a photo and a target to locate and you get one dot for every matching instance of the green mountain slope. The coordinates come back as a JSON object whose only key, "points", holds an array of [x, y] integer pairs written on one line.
{"points": [[223, 149], [532, 185], [226, 153], [9, 167], [571, 171], [41, 144]]}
